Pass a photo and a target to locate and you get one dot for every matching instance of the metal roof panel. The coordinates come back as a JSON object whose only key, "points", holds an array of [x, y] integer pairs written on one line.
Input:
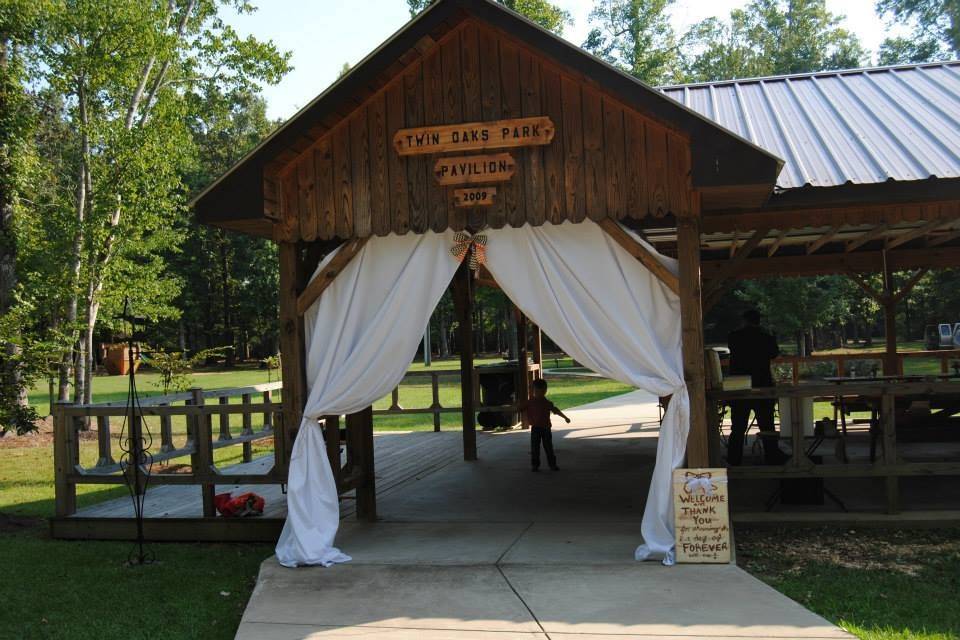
{"points": [[855, 126]]}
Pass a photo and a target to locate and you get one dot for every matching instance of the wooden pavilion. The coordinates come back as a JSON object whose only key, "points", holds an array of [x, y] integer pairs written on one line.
{"points": [[472, 117]]}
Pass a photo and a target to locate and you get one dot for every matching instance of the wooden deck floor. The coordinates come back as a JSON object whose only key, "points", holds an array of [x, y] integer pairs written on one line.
{"points": [[400, 458]]}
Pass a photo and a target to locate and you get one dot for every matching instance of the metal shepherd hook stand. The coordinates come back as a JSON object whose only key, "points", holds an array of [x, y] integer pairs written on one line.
{"points": [[135, 441]]}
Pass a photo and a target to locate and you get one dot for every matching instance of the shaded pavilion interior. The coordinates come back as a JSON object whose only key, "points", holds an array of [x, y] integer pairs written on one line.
{"points": [[845, 172]]}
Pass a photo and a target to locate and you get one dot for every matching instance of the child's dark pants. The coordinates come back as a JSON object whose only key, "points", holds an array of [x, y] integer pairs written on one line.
{"points": [[543, 435]]}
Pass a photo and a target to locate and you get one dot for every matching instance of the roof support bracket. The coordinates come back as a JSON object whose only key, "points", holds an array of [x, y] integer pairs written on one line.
{"points": [[325, 278], [641, 253]]}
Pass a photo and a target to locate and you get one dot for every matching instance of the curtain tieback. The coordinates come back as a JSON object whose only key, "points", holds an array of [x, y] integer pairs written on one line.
{"points": [[463, 242]]}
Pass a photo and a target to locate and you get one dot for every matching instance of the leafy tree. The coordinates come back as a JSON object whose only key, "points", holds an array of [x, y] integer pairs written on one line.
{"points": [[174, 367], [127, 74], [793, 306], [229, 281], [545, 13], [936, 30], [909, 50], [770, 37], [636, 36], [18, 25]]}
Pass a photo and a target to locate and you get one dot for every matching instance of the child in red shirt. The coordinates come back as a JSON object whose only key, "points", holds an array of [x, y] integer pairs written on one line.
{"points": [[538, 410]]}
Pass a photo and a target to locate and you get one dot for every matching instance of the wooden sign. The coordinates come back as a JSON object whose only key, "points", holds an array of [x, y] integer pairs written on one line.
{"points": [[474, 197], [501, 134], [701, 515], [498, 167]]}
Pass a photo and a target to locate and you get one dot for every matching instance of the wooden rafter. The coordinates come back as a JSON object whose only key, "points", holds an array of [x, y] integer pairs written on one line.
{"points": [[866, 237], [936, 241], [775, 245], [641, 253], [323, 280], [908, 286], [879, 296], [818, 244], [834, 263], [913, 234], [729, 270]]}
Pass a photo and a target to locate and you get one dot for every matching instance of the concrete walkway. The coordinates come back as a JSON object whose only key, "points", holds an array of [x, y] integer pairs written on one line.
{"points": [[488, 550]]}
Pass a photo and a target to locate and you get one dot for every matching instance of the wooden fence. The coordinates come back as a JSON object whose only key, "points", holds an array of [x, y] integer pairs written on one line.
{"points": [[843, 361], [436, 409], [198, 411]]}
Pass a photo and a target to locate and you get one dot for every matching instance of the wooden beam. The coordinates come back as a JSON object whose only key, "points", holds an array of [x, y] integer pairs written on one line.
{"points": [[775, 246], [734, 243], [641, 253], [903, 238], [866, 237], [863, 284], [936, 241], [838, 263], [908, 286], [721, 283], [323, 280], [463, 306], [817, 244], [360, 438], [890, 363], [292, 352], [824, 216], [691, 320]]}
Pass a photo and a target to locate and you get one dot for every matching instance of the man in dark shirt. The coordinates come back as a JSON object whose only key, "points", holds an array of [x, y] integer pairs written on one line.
{"points": [[538, 410], [751, 351]]}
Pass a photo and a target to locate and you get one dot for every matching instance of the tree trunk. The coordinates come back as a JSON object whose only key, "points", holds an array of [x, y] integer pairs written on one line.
{"points": [[444, 343]]}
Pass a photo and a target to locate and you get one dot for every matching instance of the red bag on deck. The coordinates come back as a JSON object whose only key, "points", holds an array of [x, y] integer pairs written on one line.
{"points": [[244, 505]]}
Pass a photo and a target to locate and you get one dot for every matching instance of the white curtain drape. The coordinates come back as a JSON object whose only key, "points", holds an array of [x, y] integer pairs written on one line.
{"points": [[585, 291], [361, 336], [604, 308]]}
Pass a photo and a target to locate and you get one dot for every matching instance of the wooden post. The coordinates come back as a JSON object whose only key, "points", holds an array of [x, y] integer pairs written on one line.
{"points": [[360, 433], [224, 421], [538, 349], [65, 502], [889, 421], [463, 303], [691, 321], [292, 353], [247, 430], [268, 412], [435, 387], [201, 458], [889, 320], [523, 388], [103, 442], [166, 433], [331, 434]]}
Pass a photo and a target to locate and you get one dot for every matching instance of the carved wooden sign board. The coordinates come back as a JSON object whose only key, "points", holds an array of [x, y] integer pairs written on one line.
{"points": [[701, 504], [475, 136]]}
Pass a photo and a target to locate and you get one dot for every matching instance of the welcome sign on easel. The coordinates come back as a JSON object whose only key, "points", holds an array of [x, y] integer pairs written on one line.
{"points": [[701, 506]]}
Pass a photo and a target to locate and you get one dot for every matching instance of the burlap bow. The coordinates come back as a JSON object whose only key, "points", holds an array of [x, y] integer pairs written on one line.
{"points": [[463, 242], [696, 481]]}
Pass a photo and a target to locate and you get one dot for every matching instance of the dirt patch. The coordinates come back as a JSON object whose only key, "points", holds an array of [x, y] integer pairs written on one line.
{"points": [[790, 551]]}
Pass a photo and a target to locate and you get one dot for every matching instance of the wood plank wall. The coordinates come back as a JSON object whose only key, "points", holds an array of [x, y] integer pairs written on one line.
{"points": [[606, 160]]}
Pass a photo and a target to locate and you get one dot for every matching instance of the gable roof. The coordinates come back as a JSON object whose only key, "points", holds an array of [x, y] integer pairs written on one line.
{"points": [[852, 127], [719, 156]]}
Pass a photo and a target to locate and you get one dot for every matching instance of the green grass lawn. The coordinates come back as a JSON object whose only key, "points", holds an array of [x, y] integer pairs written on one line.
{"points": [[876, 584]]}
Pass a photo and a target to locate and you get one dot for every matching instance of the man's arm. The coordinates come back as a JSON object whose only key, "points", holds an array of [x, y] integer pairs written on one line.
{"points": [[556, 411]]}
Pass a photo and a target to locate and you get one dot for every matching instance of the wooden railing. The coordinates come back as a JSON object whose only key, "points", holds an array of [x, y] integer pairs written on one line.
{"points": [[436, 409], [883, 394], [201, 442], [842, 361]]}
